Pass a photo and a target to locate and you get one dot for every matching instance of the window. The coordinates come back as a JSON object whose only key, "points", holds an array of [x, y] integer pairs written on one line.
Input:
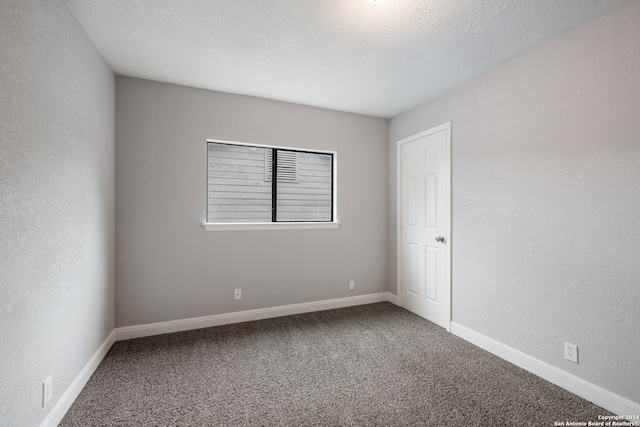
{"points": [[241, 188]]}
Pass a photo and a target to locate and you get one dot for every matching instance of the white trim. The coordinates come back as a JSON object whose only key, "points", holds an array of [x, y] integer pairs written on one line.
{"points": [[64, 403], [591, 392], [150, 329], [334, 190], [393, 299], [399, 223], [279, 147], [269, 226], [447, 127]]}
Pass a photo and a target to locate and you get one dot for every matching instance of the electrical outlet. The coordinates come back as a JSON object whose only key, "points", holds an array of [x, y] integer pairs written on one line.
{"points": [[571, 352], [352, 285], [47, 390], [237, 294]]}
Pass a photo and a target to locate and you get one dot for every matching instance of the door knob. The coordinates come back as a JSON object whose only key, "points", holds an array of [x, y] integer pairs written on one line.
{"points": [[440, 239]]}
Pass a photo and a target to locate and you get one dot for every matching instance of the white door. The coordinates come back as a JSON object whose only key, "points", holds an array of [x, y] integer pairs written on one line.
{"points": [[424, 259]]}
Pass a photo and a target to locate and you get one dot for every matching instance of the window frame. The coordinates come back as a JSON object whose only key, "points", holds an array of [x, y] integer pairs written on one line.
{"points": [[291, 225]]}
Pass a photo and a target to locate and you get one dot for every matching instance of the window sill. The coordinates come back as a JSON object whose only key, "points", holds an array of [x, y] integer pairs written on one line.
{"points": [[270, 226]]}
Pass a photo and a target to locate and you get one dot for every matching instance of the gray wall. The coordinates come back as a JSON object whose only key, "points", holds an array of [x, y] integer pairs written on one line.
{"points": [[546, 201], [168, 267], [57, 125]]}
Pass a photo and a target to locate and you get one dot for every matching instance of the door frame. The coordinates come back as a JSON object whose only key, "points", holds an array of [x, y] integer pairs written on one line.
{"points": [[447, 127]]}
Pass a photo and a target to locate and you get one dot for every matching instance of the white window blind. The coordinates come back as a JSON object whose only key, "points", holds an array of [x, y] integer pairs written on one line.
{"points": [[287, 165]]}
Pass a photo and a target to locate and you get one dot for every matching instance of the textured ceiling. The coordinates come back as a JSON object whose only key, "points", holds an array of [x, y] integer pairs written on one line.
{"points": [[377, 58]]}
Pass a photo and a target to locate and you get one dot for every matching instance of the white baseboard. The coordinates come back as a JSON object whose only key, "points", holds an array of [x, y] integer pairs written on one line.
{"points": [[591, 392], [150, 329], [393, 299], [62, 406]]}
